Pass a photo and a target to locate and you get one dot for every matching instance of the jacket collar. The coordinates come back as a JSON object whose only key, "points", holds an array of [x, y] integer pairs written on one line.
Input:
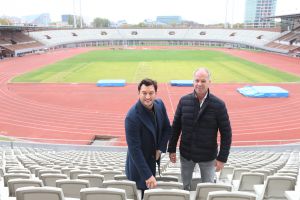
{"points": [[145, 116], [206, 96], [204, 105]]}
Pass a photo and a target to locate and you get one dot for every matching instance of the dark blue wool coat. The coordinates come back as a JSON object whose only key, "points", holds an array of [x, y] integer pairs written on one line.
{"points": [[143, 140]]}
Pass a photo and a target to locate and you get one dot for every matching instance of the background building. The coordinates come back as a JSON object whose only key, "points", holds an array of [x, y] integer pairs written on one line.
{"points": [[169, 20], [256, 12], [39, 19]]}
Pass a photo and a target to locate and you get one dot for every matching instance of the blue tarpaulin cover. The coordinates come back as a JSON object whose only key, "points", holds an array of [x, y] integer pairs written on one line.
{"points": [[181, 82], [111, 83], [263, 91]]}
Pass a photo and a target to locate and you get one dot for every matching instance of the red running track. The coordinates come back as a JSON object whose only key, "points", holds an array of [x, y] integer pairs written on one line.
{"points": [[75, 113]]}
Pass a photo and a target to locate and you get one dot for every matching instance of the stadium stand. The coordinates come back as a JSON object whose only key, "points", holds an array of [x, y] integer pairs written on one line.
{"points": [[16, 43], [282, 165], [21, 40], [190, 37], [290, 39]]}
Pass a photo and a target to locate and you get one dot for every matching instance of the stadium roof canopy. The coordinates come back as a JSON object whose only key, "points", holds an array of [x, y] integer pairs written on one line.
{"points": [[291, 16], [288, 22]]}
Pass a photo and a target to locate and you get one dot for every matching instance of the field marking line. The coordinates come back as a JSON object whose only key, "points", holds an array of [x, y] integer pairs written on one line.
{"points": [[169, 97]]}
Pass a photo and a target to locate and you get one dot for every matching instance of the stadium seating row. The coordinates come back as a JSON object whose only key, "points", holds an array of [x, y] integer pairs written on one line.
{"points": [[83, 174], [256, 38]]}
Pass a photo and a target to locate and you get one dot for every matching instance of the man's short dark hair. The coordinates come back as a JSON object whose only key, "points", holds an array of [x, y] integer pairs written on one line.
{"points": [[147, 82]]}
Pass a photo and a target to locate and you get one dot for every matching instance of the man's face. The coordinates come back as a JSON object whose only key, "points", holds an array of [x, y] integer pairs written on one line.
{"points": [[147, 96], [201, 82]]}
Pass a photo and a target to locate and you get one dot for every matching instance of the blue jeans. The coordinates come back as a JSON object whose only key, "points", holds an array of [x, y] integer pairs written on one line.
{"points": [[207, 171]]}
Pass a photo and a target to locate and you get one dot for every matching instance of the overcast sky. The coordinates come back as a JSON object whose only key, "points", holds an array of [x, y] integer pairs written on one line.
{"points": [[135, 11]]}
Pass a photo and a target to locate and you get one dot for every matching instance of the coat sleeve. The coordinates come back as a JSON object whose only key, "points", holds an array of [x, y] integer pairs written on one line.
{"points": [[225, 132], [166, 130], [134, 147], [176, 129]]}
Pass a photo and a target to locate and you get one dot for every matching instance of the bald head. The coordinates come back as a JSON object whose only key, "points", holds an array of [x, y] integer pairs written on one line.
{"points": [[201, 81], [202, 70]]}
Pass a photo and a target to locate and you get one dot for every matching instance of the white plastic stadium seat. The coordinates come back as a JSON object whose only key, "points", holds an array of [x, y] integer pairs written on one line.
{"points": [[50, 179], [225, 195], [128, 186], [275, 187], [167, 194], [14, 184], [203, 189], [74, 173], [7, 177], [95, 180], [102, 193], [39, 193], [71, 188], [248, 180], [169, 185]]}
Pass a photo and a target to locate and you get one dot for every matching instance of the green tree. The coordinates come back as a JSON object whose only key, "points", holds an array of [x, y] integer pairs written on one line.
{"points": [[71, 21], [100, 22], [4, 21]]}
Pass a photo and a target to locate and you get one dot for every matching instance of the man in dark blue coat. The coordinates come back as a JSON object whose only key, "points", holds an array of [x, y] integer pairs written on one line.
{"points": [[148, 130]]}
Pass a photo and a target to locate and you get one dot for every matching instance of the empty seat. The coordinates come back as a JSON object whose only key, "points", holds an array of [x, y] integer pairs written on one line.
{"points": [[248, 180], [194, 183], [14, 184], [237, 172], [172, 173], [169, 185], [120, 177], [286, 174], [265, 172], [167, 178], [225, 195], [7, 177], [95, 180], [71, 188], [50, 179], [39, 193], [128, 186], [102, 193], [167, 194], [227, 170], [74, 173], [203, 189], [48, 171], [19, 171], [274, 187], [110, 174], [66, 170]]}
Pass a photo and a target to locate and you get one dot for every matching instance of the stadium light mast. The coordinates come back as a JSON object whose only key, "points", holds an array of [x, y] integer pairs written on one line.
{"points": [[226, 12], [74, 15], [80, 13]]}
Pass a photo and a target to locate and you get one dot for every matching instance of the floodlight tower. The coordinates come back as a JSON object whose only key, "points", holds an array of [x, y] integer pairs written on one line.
{"points": [[226, 12], [74, 15], [80, 13]]}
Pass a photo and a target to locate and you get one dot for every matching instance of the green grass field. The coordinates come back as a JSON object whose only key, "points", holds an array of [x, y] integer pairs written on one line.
{"points": [[161, 65]]}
